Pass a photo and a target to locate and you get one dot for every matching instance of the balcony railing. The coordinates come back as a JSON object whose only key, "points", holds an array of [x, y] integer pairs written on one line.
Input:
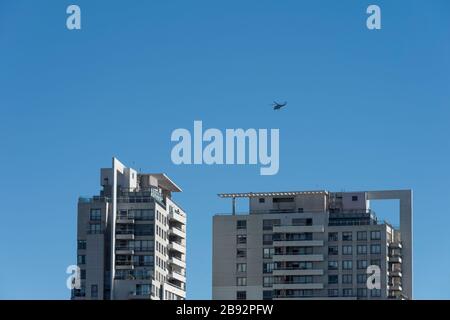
{"points": [[124, 263], [175, 285], [292, 253], [291, 268], [137, 249], [93, 199], [118, 231]]}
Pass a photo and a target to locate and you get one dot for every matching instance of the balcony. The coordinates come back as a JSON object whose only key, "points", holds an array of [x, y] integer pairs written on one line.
{"points": [[125, 236], [95, 199], [396, 253], [297, 229], [395, 287], [298, 257], [177, 275], [300, 286], [176, 215], [395, 259], [171, 287], [297, 272], [177, 246], [177, 261], [124, 265], [139, 296], [395, 273], [299, 243], [124, 220], [124, 250], [395, 245], [177, 232]]}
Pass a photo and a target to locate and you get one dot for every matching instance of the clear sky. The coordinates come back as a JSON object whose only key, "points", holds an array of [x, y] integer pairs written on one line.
{"points": [[366, 110]]}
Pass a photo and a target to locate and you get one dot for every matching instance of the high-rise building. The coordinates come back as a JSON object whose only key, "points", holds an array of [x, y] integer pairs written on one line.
{"points": [[131, 238], [312, 244]]}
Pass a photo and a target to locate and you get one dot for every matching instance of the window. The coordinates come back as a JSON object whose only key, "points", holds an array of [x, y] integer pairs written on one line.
{"points": [[241, 281], [333, 265], [361, 264], [294, 279], [95, 215], [375, 248], [81, 259], [281, 200], [294, 236], [143, 245], [333, 236], [267, 239], [143, 289], [143, 215], [241, 295], [347, 265], [267, 294], [241, 224], [346, 236], [361, 278], [333, 292], [303, 265], [261, 200], [298, 293], [347, 292], [267, 281], [375, 262], [375, 235], [268, 224], [81, 244], [95, 228], [294, 250], [361, 292], [362, 249], [375, 292], [268, 253], [347, 250], [294, 265], [241, 239], [347, 278], [268, 267], [333, 279], [333, 250], [361, 235], [143, 261], [143, 229], [82, 274], [94, 291], [354, 198], [241, 267], [241, 253], [302, 222]]}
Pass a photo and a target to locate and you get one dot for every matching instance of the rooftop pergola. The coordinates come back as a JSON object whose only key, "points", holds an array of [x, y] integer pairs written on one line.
{"points": [[269, 194]]}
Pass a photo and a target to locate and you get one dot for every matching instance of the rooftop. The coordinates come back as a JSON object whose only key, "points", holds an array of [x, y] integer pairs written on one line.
{"points": [[269, 194], [164, 181]]}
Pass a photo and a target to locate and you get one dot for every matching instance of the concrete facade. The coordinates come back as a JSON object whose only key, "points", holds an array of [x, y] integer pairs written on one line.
{"points": [[131, 238], [312, 244]]}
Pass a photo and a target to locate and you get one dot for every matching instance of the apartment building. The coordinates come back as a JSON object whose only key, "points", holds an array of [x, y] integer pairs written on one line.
{"points": [[131, 239], [312, 245]]}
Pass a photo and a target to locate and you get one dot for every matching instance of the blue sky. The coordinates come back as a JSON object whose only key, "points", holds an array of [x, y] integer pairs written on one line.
{"points": [[367, 110]]}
